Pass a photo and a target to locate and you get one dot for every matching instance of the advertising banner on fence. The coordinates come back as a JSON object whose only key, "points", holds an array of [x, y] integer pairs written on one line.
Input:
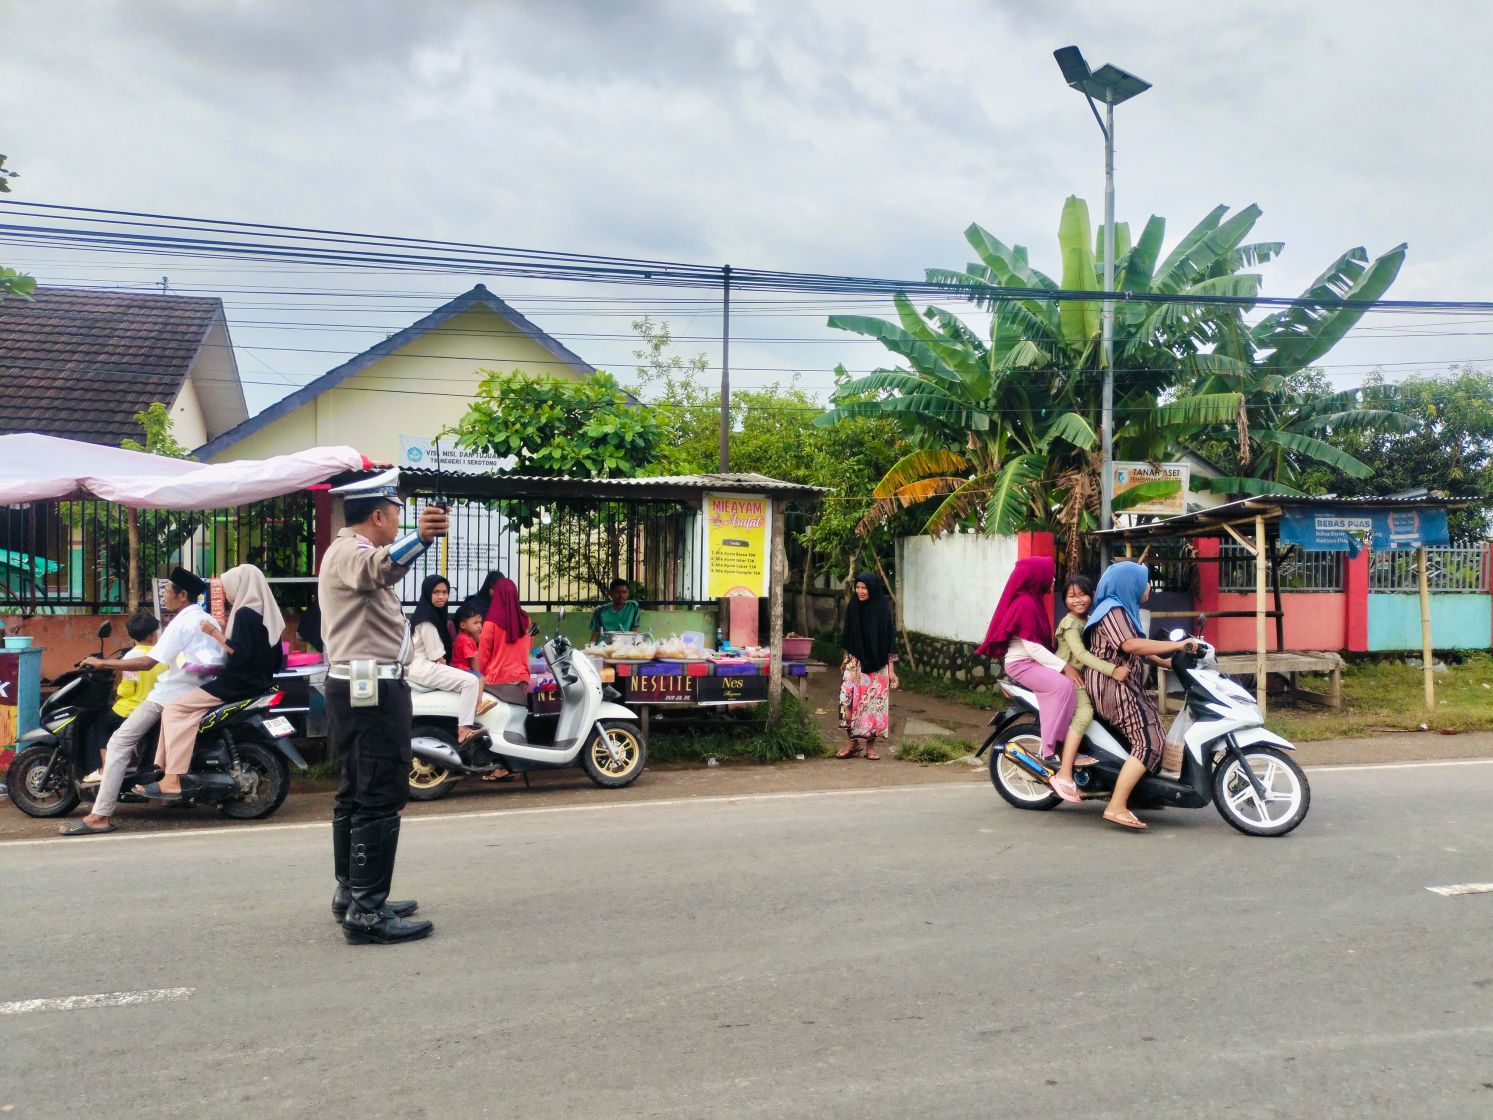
{"points": [[1328, 530], [10, 699], [1128, 476], [736, 535]]}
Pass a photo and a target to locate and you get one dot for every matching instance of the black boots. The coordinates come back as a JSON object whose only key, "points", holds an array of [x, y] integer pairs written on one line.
{"points": [[341, 848], [370, 871]]}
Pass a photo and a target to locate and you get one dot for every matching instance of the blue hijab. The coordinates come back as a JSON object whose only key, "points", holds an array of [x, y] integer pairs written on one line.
{"points": [[1122, 585]]}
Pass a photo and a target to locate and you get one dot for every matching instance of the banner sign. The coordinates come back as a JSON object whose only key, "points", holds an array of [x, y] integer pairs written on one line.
{"points": [[420, 451], [1127, 476], [1323, 530], [736, 535], [697, 690], [10, 718]]}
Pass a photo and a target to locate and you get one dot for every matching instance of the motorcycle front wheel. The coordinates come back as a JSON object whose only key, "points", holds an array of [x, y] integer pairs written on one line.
{"points": [[430, 781], [1287, 795], [38, 793], [1010, 778], [263, 779], [618, 760]]}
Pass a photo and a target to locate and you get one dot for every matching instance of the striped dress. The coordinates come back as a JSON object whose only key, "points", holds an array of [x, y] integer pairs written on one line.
{"points": [[1125, 703]]}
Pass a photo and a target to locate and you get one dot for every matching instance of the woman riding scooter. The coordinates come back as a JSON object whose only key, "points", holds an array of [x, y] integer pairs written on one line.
{"points": [[1114, 635]]}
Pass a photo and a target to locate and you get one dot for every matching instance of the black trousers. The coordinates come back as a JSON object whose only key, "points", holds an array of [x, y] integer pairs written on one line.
{"points": [[373, 745]]}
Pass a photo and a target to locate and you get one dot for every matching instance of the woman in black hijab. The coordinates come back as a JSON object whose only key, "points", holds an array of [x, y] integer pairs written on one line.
{"points": [[869, 671], [437, 616], [481, 602]]}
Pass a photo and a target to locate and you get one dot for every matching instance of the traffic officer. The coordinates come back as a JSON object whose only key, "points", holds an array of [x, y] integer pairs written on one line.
{"points": [[368, 701]]}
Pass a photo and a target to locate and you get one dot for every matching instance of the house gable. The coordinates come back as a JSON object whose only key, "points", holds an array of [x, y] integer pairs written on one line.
{"points": [[414, 383]]}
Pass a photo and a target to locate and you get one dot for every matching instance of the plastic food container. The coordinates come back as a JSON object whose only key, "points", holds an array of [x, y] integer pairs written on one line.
{"points": [[797, 649], [17, 641]]}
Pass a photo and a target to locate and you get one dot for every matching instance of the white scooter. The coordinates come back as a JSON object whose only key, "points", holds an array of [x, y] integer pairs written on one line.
{"points": [[1229, 759], [591, 731]]}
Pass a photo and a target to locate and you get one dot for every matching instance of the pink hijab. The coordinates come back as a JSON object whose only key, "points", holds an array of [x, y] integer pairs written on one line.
{"points": [[1022, 611], [505, 612]]}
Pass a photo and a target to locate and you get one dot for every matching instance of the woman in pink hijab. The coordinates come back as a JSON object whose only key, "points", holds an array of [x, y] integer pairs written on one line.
{"points": [[1020, 634]]}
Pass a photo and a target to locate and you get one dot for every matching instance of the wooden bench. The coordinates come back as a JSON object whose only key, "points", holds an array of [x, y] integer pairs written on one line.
{"points": [[1287, 664]]}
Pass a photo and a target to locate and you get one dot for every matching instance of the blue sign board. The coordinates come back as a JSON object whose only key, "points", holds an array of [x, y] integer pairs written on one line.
{"points": [[1324, 529]]}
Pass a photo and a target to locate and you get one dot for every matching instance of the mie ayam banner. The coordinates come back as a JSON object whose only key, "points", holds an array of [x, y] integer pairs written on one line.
{"points": [[736, 536]]}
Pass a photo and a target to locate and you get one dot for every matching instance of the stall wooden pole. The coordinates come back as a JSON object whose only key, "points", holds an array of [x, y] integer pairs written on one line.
{"points": [[1261, 562], [1425, 631], [132, 559], [777, 576]]}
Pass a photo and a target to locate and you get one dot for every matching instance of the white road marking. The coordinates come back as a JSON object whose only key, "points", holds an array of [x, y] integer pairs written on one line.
{"points": [[1462, 888], [725, 798], [102, 999]]}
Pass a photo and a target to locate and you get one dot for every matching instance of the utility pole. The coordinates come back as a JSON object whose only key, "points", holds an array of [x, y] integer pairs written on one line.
{"points": [[725, 467]]}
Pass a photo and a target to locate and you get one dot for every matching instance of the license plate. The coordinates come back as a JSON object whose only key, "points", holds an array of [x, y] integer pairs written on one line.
{"points": [[279, 727]]}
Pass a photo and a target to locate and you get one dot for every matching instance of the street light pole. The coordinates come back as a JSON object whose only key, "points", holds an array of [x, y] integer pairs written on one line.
{"points": [[1107, 420], [1113, 86]]}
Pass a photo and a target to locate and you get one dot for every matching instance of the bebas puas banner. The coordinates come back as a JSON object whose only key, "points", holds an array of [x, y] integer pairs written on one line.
{"points": [[737, 529]]}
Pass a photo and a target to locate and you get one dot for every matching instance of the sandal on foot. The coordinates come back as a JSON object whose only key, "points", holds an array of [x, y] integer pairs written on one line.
{"points": [[96, 778], [154, 790], [485, 705], [1129, 820], [465, 735], [1085, 760], [871, 755], [849, 751], [1065, 789], [81, 827], [498, 776]]}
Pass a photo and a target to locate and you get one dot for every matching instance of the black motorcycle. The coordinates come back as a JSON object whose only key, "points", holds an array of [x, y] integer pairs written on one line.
{"points": [[240, 763]]}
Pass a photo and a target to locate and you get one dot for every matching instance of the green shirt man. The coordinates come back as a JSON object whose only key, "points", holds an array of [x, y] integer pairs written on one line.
{"points": [[618, 614]]}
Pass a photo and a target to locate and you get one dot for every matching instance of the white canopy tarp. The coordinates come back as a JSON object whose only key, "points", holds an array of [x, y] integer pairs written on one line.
{"points": [[35, 467]]}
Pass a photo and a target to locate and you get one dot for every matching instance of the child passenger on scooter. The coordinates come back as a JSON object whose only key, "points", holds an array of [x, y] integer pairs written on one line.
{"points": [[468, 634], [134, 685], [1078, 596]]}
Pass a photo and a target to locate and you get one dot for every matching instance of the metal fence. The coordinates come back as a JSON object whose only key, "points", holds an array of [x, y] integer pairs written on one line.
{"points": [[64, 557], [563, 553], [1460, 569], [1300, 570]]}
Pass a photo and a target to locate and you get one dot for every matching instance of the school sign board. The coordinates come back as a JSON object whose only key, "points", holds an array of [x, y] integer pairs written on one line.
{"points": [[737, 529], [1127, 476]]}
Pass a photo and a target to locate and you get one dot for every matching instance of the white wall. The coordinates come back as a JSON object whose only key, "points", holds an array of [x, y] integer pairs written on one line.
{"points": [[949, 585]]}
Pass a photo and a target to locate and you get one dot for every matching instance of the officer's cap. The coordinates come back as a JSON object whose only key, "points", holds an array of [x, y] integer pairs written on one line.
{"points": [[384, 486]]}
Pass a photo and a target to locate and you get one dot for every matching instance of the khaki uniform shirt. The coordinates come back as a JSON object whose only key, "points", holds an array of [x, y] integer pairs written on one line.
{"points": [[357, 589]]}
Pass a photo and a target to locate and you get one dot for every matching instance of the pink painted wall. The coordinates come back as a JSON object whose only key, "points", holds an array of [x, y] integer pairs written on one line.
{"points": [[1316, 620]]}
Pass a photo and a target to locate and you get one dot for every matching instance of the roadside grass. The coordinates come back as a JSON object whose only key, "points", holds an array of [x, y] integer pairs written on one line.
{"points": [[914, 681], [939, 748], [1387, 695], [742, 739]]}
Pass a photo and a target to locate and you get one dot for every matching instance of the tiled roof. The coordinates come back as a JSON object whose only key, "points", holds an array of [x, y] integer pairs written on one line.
{"points": [[80, 364]]}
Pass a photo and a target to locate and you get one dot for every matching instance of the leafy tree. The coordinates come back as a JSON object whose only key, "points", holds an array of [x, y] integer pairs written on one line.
{"points": [[559, 426], [1002, 425], [1444, 442], [13, 283], [160, 434]]}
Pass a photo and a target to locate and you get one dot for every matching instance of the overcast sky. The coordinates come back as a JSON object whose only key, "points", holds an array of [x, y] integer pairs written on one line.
{"points": [[853, 137]]}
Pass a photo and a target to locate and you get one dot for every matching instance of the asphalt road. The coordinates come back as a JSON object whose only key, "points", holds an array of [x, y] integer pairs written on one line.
{"points": [[923, 951]]}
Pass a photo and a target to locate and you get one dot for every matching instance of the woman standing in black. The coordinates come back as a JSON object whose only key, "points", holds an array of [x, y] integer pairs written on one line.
{"points": [[869, 671]]}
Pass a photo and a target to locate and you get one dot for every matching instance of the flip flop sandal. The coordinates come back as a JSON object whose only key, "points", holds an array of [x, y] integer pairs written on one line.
{"points": [[848, 752], [94, 779], [81, 827], [154, 791], [1134, 823], [1065, 789], [871, 755], [505, 776]]}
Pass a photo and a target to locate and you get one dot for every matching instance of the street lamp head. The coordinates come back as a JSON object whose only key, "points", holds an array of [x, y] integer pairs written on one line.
{"points": [[1108, 84], [1075, 69]]}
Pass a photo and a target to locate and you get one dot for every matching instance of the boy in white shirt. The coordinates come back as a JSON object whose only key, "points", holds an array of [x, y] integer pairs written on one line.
{"points": [[183, 642]]}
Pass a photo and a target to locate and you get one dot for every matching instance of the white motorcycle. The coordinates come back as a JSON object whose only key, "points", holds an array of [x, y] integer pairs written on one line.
{"points": [[591, 731], [1228, 758]]}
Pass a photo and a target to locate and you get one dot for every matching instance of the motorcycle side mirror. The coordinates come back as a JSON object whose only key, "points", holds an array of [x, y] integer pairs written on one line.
{"points": [[1178, 635], [105, 630]]}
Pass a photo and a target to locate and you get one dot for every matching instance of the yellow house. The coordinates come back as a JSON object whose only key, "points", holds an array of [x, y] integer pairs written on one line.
{"points": [[407, 388]]}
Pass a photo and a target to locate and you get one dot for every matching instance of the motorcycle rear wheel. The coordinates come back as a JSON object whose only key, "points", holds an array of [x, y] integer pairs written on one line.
{"points": [[1288, 796], [264, 771], [57, 798], [1010, 779], [430, 781]]}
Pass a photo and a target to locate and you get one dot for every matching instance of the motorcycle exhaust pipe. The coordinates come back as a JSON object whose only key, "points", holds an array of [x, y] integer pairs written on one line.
{"points": [[1027, 762], [433, 752]]}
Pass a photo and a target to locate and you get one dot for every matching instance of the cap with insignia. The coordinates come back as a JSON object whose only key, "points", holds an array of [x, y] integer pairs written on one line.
{"points": [[385, 485]]}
